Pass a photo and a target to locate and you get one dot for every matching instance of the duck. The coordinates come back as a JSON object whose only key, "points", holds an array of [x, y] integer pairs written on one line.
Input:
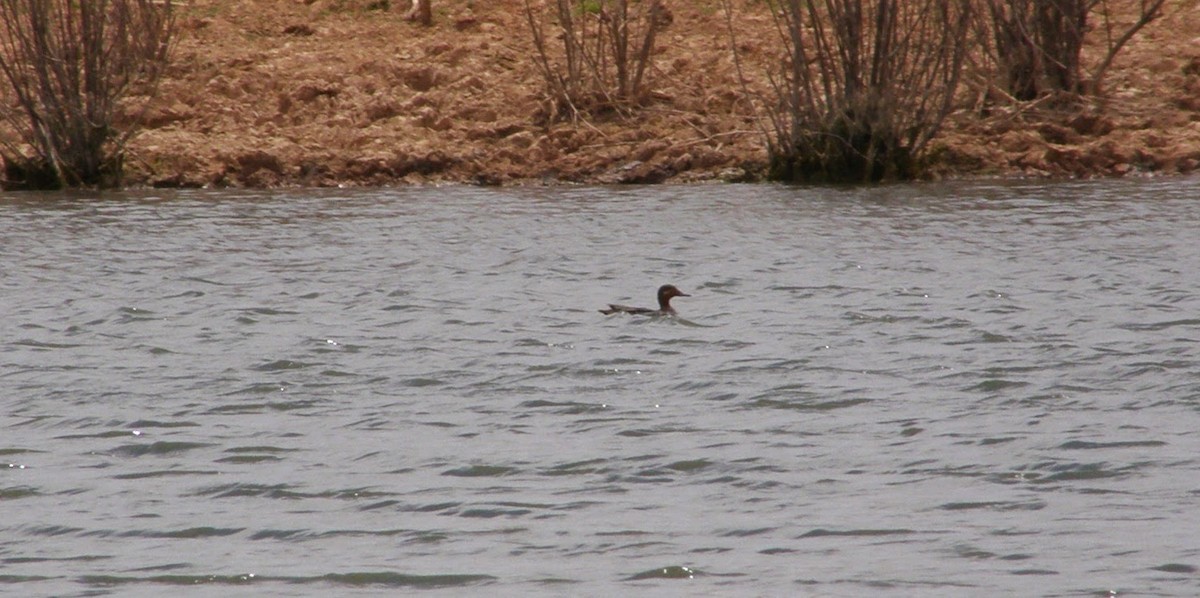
{"points": [[665, 294]]}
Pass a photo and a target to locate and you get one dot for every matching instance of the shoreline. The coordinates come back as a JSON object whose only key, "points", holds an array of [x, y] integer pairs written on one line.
{"points": [[325, 93]]}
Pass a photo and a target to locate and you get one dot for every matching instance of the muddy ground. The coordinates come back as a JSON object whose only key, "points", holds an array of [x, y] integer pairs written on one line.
{"points": [[265, 93]]}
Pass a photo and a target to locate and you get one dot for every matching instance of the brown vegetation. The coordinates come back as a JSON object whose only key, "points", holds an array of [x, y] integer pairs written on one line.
{"points": [[68, 65], [607, 47], [347, 92], [863, 87]]}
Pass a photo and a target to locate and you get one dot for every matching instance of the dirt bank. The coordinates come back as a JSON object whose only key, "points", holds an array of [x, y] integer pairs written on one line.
{"points": [[340, 92]]}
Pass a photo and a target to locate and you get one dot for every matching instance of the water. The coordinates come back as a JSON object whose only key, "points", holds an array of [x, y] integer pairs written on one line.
{"points": [[958, 389]]}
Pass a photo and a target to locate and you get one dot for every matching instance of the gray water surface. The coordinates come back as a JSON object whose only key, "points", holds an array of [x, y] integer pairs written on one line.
{"points": [[963, 389]]}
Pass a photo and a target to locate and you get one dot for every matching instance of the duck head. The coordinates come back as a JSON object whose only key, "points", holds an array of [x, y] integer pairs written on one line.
{"points": [[666, 293]]}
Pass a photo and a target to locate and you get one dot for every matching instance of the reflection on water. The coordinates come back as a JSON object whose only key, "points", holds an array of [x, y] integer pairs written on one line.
{"points": [[951, 389]]}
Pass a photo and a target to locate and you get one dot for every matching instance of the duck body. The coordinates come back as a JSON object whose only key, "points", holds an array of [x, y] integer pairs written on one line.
{"points": [[665, 294]]}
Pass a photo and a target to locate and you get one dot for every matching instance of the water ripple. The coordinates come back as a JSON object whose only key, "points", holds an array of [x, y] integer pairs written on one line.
{"points": [[972, 388]]}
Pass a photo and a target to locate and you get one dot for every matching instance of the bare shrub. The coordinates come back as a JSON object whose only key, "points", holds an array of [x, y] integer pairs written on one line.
{"points": [[862, 87], [607, 46], [67, 65], [1036, 45]]}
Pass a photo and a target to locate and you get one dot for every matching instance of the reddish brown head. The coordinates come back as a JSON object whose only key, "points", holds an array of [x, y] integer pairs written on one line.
{"points": [[665, 293]]}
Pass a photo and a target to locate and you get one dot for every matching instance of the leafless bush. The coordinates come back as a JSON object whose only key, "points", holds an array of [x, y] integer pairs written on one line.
{"points": [[862, 87], [1035, 45], [607, 46], [67, 65]]}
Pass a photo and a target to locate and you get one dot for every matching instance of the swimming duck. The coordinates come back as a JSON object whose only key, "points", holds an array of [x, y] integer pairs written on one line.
{"points": [[665, 293]]}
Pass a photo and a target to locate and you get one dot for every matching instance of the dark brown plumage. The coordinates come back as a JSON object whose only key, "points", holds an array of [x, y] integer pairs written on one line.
{"points": [[665, 293]]}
